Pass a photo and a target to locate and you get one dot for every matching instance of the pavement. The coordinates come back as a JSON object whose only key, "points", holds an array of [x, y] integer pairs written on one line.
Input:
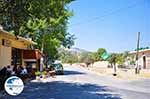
{"points": [[80, 83]]}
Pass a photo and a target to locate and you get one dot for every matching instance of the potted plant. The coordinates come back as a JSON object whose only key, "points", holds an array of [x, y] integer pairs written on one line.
{"points": [[44, 73], [38, 74]]}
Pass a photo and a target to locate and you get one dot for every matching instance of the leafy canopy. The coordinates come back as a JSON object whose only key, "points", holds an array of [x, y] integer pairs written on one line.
{"points": [[45, 21]]}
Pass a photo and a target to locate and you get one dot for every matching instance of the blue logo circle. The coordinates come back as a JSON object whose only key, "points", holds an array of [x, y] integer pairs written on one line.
{"points": [[14, 86]]}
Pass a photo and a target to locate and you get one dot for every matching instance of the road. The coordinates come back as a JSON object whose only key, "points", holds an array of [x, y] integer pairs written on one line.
{"points": [[80, 83]]}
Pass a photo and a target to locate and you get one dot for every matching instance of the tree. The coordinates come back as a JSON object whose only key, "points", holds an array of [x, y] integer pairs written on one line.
{"points": [[52, 26], [126, 54], [120, 59], [97, 55], [87, 58], [45, 21], [117, 59], [13, 14], [113, 60], [68, 57]]}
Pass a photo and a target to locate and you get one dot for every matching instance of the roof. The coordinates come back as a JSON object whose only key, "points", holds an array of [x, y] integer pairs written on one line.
{"points": [[140, 51], [18, 37]]}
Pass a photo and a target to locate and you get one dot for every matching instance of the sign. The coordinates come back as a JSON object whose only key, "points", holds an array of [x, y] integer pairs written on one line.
{"points": [[6, 42], [14, 86], [105, 55]]}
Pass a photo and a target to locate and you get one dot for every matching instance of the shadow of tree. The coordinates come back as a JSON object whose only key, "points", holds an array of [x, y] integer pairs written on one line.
{"points": [[70, 72], [64, 90]]}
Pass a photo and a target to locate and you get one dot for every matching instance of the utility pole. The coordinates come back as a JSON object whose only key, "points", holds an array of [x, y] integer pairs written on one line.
{"points": [[137, 69]]}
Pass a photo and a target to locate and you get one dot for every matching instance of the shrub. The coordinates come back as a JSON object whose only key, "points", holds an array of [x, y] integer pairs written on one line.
{"points": [[38, 73], [44, 73]]}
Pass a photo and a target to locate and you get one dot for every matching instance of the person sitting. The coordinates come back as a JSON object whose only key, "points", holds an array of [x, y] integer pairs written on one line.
{"points": [[24, 71], [52, 72], [29, 71], [18, 71], [4, 74], [3, 71], [24, 74], [9, 70]]}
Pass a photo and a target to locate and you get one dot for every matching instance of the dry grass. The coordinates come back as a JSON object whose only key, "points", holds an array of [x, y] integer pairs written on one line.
{"points": [[145, 74], [129, 75], [103, 71], [125, 75]]}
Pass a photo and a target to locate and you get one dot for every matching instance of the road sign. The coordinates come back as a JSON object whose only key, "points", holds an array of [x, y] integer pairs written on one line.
{"points": [[105, 56]]}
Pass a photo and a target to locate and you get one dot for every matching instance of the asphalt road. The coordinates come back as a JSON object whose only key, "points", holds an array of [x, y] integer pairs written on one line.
{"points": [[80, 83]]}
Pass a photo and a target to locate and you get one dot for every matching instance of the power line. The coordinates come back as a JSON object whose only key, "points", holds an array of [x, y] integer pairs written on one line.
{"points": [[106, 14]]}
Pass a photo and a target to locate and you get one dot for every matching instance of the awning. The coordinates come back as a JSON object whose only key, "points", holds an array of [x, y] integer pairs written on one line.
{"points": [[32, 54]]}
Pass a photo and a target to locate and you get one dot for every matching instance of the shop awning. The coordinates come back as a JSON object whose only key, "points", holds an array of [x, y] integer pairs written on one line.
{"points": [[32, 54]]}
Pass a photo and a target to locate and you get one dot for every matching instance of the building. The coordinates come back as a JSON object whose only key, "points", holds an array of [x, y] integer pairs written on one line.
{"points": [[144, 58], [14, 50], [32, 58]]}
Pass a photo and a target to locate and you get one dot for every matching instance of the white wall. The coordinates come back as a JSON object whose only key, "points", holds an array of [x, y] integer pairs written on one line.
{"points": [[5, 56], [140, 61]]}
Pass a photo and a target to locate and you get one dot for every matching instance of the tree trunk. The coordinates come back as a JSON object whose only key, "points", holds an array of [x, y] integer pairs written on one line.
{"points": [[115, 69], [41, 60]]}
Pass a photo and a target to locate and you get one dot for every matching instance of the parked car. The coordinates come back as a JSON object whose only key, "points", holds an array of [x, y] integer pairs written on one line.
{"points": [[58, 67]]}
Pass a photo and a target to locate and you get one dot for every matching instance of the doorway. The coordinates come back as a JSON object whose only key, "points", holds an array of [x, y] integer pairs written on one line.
{"points": [[16, 56]]}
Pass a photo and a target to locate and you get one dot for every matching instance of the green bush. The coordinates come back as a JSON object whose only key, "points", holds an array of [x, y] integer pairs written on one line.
{"points": [[44, 73], [38, 73]]}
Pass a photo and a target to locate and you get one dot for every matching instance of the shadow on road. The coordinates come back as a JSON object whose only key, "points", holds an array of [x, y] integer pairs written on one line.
{"points": [[64, 90], [70, 72]]}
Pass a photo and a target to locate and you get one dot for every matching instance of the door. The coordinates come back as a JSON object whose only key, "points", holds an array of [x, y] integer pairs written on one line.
{"points": [[16, 56]]}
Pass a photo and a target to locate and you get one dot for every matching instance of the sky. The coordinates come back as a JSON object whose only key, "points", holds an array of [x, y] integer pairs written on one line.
{"points": [[110, 24]]}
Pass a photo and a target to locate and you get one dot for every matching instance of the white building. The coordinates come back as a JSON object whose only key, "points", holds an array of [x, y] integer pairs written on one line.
{"points": [[144, 58]]}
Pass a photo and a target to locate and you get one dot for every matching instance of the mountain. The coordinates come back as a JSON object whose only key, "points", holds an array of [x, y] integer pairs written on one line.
{"points": [[77, 50], [73, 50]]}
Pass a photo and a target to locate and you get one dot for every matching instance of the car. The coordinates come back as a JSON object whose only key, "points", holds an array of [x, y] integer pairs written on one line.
{"points": [[58, 67]]}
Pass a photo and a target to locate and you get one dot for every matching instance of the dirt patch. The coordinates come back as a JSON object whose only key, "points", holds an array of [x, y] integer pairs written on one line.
{"points": [[125, 74]]}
